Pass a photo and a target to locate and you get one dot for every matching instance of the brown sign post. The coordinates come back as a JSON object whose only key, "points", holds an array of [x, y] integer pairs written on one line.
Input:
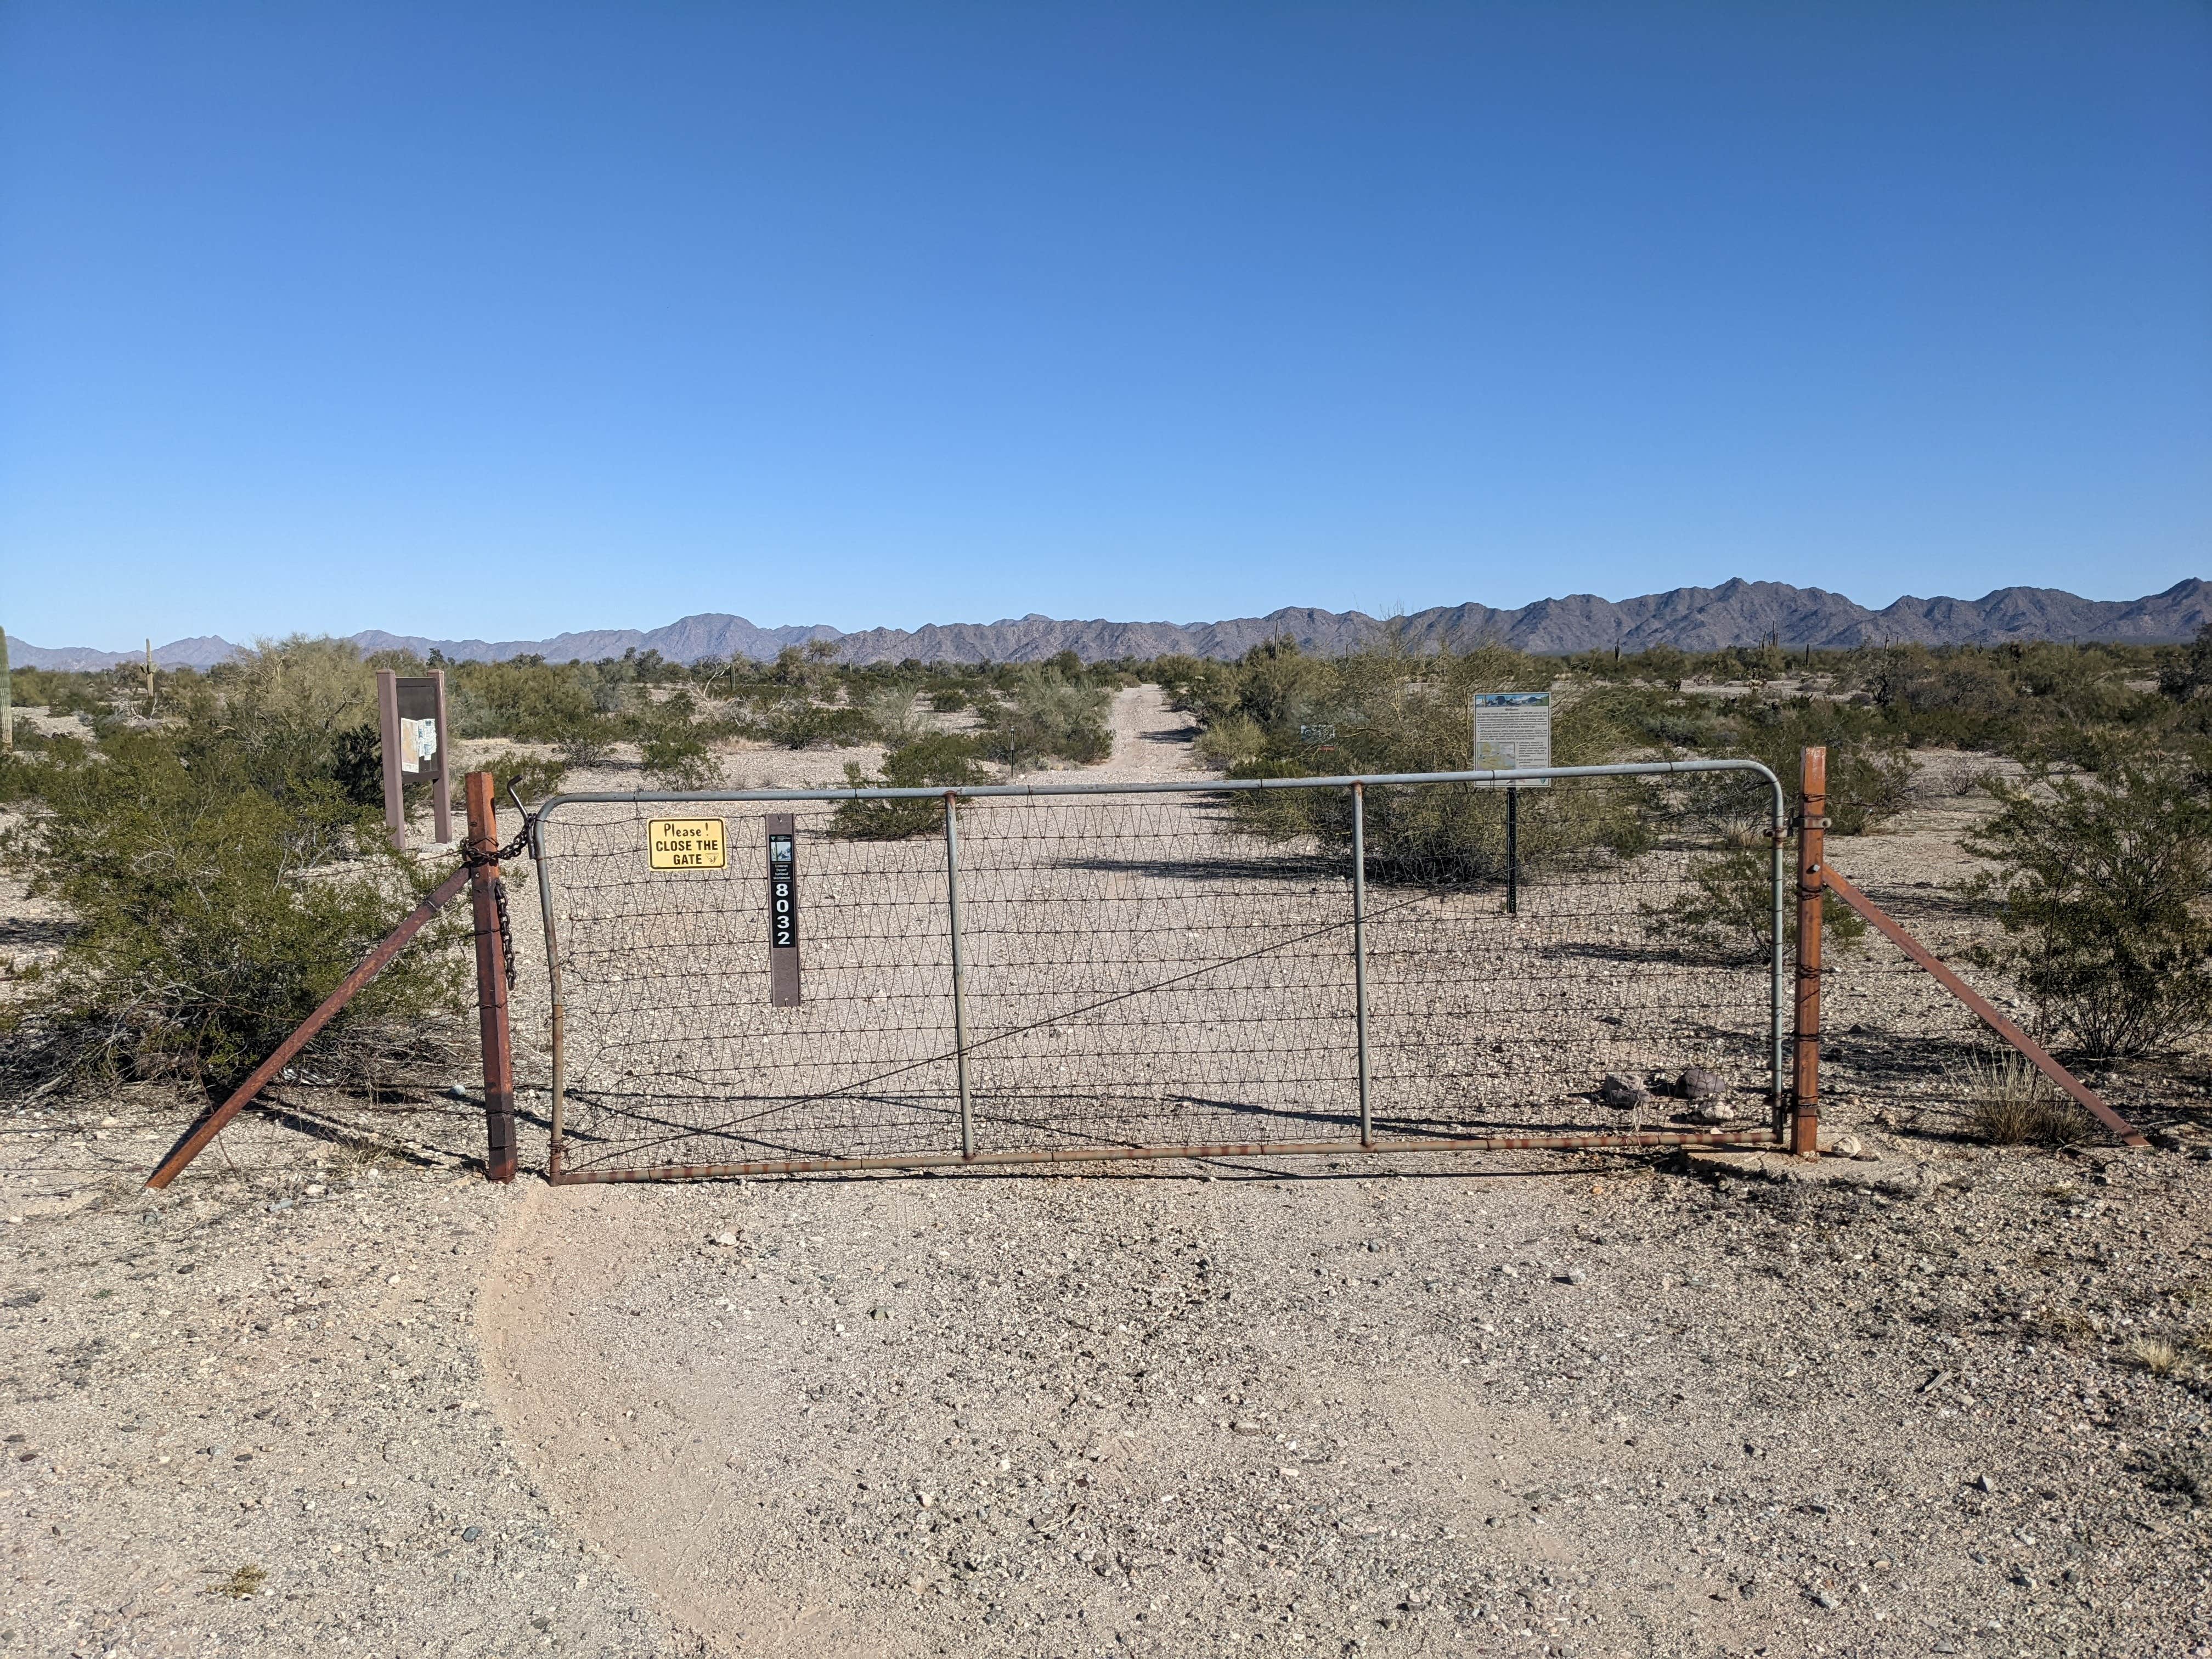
{"points": [[412, 719]]}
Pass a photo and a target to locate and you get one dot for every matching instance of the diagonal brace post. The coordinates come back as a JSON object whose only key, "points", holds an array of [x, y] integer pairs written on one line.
{"points": [[197, 1139], [2090, 1100]]}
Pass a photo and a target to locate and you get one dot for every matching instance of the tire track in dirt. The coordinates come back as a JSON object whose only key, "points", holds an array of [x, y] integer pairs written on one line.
{"points": [[983, 1415]]}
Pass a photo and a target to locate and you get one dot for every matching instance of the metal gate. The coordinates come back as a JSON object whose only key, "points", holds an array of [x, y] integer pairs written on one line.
{"points": [[776, 981]]}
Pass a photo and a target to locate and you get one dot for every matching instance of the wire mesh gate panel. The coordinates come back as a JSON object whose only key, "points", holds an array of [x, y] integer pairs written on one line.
{"points": [[1076, 970]]}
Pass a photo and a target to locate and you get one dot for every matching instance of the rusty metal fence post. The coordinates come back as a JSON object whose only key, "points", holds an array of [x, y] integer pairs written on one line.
{"points": [[959, 985], [1359, 952], [486, 899], [1812, 851]]}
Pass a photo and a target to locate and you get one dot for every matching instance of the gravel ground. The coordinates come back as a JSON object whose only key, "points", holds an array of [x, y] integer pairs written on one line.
{"points": [[332, 1394]]}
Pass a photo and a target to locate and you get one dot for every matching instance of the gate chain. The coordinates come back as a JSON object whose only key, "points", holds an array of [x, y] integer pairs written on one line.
{"points": [[498, 855]]}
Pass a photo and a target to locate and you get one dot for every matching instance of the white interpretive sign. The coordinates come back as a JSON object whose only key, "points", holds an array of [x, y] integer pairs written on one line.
{"points": [[1512, 734]]}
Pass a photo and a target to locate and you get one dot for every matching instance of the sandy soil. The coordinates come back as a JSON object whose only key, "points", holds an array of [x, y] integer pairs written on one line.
{"points": [[333, 1395]]}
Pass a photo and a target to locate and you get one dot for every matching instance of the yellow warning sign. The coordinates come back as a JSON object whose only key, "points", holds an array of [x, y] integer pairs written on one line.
{"points": [[686, 843]]}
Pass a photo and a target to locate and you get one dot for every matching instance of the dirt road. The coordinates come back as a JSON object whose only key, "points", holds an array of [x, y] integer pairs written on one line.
{"points": [[1602, 1410]]}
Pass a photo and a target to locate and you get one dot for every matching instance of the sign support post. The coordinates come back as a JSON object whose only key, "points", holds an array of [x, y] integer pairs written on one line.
{"points": [[1512, 851], [387, 727]]}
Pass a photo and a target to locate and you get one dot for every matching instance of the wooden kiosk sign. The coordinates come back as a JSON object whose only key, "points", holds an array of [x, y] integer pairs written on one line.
{"points": [[411, 715]]}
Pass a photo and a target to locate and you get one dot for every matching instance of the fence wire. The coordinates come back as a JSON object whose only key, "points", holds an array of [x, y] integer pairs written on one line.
{"points": [[1897, 1048], [1153, 969]]}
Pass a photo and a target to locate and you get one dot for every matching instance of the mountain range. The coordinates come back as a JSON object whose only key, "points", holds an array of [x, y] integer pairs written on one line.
{"points": [[1737, 612]]}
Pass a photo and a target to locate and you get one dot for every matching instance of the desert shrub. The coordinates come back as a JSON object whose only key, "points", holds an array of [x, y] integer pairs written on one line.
{"points": [[2010, 1103], [2101, 884], [212, 915], [891, 716], [948, 699], [289, 715], [1386, 710], [528, 698], [1230, 741], [2188, 675], [941, 759], [59, 691], [1681, 728], [807, 668], [1869, 771], [796, 722], [673, 748], [357, 766], [1726, 910], [19, 772], [1045, 716], [587, 743], [2081, 705], [530, 778]]}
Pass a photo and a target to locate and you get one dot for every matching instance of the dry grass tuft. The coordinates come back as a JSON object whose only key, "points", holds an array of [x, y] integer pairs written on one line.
{"points": [[2063, 1327], [2155, 1355], [240, 1583], [2010, 1103]]}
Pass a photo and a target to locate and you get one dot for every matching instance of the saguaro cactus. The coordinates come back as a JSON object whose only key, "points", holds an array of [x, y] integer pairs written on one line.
{"points": [[7, 704]]}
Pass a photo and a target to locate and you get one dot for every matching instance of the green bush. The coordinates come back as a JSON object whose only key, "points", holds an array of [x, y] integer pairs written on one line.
{"points": [[793, 720], [212, 910], [673, 748], [1726, 911], [891, 716], [2188, 675], [2102, 885], [1232, 741], [1869, 773], [1044, 715], [587, 742], [531, 699], [61, 692], [940, 760], [1387, 710], [527, 777]]}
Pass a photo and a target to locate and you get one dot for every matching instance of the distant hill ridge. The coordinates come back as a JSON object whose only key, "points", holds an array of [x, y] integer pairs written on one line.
{"points": [[1691, 618]]}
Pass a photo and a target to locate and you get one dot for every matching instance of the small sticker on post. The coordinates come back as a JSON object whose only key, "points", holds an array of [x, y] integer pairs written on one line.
{"points": [[685, 844]]}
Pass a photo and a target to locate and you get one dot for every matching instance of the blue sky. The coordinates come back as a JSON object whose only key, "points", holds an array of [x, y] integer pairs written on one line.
{"points": [[496, 320]]}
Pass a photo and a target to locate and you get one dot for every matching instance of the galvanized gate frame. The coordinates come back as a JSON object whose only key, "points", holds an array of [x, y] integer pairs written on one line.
{"points": [[1775, 1134]]}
